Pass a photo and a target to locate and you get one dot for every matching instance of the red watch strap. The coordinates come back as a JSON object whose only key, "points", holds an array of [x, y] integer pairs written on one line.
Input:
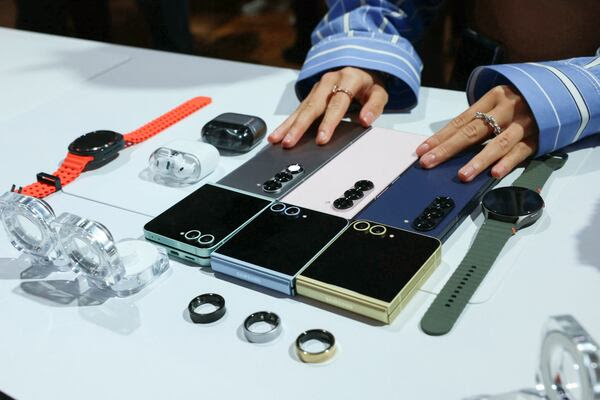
{"points": [[163, 122], [72, 166]]}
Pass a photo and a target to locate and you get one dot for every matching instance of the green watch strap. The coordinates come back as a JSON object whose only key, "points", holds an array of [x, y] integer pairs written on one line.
{"points": [[456, 293], [539, 170]]}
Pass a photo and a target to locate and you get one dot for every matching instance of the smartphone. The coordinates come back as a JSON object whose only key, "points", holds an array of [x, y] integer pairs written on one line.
{"points": [[371, 269], [274, 247], [430, 201], [351, 180], [194, 227], [274, 171]]}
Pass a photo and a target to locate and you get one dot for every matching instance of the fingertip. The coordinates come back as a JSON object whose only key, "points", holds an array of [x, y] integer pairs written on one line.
{"points": [[322, 137], [422, 149], [367, 118]]}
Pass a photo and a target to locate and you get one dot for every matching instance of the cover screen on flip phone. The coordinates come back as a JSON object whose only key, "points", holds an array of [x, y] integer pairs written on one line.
{"points": [[209, 211], [283, 238], [376, 262]]}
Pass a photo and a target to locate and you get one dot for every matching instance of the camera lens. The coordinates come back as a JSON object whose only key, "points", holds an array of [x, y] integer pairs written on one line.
{"points": [[283, 177], [423, 224], [292, 211], [192, 235], [342, 203], [271, 186], [364, 185], [433, 212], [361, 225], [277, 207], [353, 194], [206, 239], [378, 230], [294, 169], [444, 202]]}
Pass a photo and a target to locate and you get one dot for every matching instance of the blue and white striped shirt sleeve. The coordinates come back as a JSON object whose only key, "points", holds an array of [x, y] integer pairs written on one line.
{"points": [[564, 96], [374, 35]]}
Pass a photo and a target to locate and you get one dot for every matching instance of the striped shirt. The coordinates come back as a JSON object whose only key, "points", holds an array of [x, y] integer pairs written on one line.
{"points": [[564, 96]]}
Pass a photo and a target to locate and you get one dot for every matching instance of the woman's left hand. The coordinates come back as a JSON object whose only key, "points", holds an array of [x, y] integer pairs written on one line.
{"points": [[517, 141]]}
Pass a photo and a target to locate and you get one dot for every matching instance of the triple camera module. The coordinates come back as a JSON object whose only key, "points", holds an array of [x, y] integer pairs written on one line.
{"points": [[281, 178], [433, 213], [353, 194]]}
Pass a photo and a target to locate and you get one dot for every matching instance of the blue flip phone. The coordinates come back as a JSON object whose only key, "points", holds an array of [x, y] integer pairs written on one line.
{"points": [[274, 247], [429, 201]]}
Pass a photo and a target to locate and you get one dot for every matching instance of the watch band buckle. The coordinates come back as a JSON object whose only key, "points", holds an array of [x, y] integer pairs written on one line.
{"points": [[48, 179]]}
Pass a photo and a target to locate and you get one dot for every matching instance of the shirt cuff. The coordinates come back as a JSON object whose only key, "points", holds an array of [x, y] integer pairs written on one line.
{"points": [[396, 60], [560, 95]]}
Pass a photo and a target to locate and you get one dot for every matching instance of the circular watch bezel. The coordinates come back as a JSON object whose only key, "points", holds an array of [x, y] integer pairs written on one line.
{"points": [[521, 219], [103, 149]]}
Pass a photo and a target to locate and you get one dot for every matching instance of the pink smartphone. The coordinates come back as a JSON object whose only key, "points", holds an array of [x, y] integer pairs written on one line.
{"points": [[358, 174]]}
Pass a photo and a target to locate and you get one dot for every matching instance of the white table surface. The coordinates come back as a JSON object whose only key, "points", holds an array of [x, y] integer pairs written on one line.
{"points": [[54, 344]]}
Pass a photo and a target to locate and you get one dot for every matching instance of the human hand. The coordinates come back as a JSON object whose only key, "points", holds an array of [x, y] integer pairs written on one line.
{"points": [[366, 86], [518, 140]]}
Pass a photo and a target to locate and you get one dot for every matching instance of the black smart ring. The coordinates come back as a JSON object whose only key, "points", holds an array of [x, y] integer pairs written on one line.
{"points": [[206, 318]]}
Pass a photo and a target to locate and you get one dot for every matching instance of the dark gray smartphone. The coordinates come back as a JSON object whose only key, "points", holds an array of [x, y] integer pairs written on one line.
{"points": [[274, 171]]}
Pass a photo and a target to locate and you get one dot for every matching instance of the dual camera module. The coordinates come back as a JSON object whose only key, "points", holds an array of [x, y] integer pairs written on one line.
{"points": [[353, 194], [195, 235], [290, 211], [364, 226], [281, 178]]}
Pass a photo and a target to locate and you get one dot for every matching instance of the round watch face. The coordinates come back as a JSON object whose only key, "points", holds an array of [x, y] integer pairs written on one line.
{"points": [[513, 201], [96, 142]]}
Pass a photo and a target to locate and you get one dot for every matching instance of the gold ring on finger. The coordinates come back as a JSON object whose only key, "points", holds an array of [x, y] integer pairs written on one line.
{"points": [[336, 89]]}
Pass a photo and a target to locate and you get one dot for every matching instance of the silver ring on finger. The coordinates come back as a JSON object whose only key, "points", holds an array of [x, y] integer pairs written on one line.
{"points": [[336, 89], [491, 121]]}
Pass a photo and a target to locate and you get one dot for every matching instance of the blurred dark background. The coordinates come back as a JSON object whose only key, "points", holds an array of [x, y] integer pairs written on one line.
{"points": [[277, 32]]}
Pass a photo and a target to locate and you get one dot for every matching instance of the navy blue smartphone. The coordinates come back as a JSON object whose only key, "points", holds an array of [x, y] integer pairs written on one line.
{"points": [[430, 201]]}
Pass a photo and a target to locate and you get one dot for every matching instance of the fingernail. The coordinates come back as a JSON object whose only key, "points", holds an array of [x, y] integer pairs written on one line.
{"points": [[428, 159], [498, 170], [287, 140], [467, 171], [322, 136], [423, 148], [368, 118]]}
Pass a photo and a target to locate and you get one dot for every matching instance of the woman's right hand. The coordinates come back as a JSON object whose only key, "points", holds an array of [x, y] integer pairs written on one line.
{"points": [[365, 86]]}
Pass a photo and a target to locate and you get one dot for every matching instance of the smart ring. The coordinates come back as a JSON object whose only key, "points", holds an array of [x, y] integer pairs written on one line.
{"points": [[292, 211], [206, 318], [378, 230], [277, 207], [206, 239], [193, 234], [262, 337], [361, 226], [316, 357]]}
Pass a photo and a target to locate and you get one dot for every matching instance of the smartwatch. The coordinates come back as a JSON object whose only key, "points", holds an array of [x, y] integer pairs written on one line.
{"points": [[95, 149], [506, 210]]}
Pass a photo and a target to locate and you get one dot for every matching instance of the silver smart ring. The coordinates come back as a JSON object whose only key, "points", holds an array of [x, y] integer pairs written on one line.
{"points": [[262, 337]]}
